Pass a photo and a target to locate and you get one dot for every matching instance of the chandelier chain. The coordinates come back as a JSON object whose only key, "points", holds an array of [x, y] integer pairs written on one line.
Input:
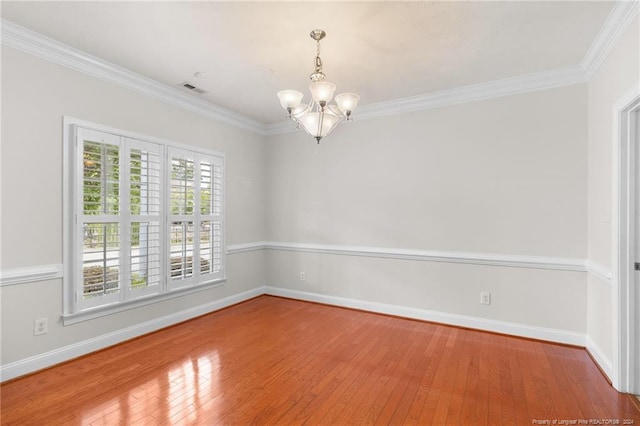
{"points": [[317, 74], [318, 60]]}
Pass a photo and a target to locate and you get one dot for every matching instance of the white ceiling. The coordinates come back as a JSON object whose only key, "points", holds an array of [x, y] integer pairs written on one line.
{"points": [[380, 50]]}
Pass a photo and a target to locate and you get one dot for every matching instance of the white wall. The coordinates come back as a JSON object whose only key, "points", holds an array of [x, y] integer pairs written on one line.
{"points": [[512, 176], [505, 176], [614, 81], [35, 96]]}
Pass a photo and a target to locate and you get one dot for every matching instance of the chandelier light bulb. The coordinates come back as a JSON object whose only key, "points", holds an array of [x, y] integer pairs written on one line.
{"points": [[322, 92], [290, 99], [347, 102], [319, 124], [318, 118]]}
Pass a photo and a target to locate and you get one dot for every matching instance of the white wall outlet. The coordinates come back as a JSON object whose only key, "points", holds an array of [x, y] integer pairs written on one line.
{"points": [[40, 326], [302, 276], [485, 298]]}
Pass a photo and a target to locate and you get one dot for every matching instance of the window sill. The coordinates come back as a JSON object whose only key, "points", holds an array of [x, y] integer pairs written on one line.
{"points": [[101, 311]]}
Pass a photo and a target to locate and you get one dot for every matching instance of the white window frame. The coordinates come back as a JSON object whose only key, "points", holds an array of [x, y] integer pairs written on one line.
{"points": [[75, 307]]}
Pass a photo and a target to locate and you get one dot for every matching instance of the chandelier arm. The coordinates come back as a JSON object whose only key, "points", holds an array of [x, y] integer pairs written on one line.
{"points": [[320, 123]]}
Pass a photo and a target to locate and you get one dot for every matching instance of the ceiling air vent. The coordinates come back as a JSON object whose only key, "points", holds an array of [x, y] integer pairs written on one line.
{"points": [[191, 87]]}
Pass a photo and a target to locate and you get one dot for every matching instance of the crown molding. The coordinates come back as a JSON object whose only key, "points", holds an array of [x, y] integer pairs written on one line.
{"points": [[476, 92], [616, 23], [280, 127], [492, 89], [25, 40], [620, 17]]}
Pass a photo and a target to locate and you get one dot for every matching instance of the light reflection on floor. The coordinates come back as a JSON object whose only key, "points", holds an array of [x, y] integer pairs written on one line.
{"points": [[185, 396]]}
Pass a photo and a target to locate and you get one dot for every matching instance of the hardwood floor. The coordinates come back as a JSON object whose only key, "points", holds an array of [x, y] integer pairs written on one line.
{"points": [[272, 361]]}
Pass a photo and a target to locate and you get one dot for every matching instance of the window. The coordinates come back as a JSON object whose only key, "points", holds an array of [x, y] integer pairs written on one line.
{"points": [[146, 218], [195, 241]]}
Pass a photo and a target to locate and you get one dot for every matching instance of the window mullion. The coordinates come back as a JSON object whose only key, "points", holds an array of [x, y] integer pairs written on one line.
{"points": [[125, 220], [168, 219], [78, 194], [103, 176], [196, 216]]}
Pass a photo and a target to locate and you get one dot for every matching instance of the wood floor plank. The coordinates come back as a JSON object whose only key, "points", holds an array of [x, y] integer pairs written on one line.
{"points": [[432, 354], [275, 361], [415, 372]]}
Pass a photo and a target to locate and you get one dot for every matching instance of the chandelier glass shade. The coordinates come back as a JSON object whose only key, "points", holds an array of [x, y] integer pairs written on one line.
{"points": [[318, 118]]}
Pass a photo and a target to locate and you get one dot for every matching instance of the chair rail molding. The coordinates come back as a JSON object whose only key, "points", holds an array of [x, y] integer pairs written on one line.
{"points": [[30, 274], [48, 272], [490, 259], [245, 247], [599, 271]]}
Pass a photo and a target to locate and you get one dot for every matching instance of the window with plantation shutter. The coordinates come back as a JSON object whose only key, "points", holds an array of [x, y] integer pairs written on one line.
{"points": [[211, 217], [181, 217], [100, 238], [195, 218], [146, 218]]}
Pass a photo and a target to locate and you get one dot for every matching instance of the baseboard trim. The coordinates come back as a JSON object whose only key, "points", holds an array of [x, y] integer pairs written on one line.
{"points": [[520, 330], [66, 353], [601, 360], [38, 362]]}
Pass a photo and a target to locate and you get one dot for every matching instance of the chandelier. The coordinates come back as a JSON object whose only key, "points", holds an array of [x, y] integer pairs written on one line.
{"points": [[318, 118]]}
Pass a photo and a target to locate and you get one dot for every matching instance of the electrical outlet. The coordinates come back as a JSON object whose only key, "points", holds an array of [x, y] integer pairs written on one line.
{"points": [[40, 326], [302, 276], [485, 298]]}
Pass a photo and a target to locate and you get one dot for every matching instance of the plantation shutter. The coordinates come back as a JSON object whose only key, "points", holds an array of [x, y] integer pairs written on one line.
{"points": [[211, 226], [182, 217], [144, 221], [195, 218], [98, 248], [145, 218]]}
